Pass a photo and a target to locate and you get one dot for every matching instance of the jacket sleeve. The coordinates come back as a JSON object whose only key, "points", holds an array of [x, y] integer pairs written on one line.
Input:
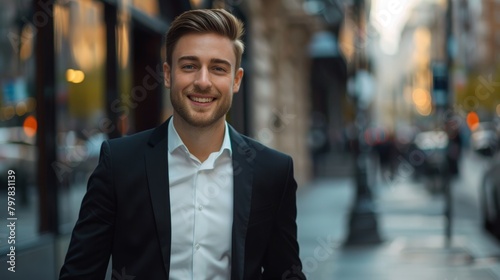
{"points": [[92, 238], [282, 259]]}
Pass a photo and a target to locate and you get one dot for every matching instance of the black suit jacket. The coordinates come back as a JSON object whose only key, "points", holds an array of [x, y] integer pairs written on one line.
{"points": [[126, 212]]}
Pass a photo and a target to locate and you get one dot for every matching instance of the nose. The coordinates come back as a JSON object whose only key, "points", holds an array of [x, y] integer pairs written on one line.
{"points": [[202, 81]]}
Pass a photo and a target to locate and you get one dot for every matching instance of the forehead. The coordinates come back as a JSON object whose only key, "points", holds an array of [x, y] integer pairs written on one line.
{"points": [[204, 46]]}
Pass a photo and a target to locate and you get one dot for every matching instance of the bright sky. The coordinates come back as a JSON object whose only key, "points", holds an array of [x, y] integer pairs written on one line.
{"points": [[389, 18]]}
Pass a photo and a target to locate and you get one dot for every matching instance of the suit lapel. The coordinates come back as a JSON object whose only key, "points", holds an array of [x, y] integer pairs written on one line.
{"points": [[242, 182], [158, 182]]}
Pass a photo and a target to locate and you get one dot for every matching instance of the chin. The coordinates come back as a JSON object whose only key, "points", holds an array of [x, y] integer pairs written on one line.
{"points": [[201, 122]]}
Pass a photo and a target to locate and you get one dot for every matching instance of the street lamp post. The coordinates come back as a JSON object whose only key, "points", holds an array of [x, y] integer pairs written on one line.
{"points": [[448, 211], [363, 223]]}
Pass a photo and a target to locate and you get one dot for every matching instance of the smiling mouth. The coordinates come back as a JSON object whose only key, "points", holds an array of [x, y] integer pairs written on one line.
{"points": [[201, 99]]}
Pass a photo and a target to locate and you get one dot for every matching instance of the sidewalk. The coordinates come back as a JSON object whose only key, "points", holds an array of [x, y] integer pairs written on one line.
{"points": [[412, 227]]}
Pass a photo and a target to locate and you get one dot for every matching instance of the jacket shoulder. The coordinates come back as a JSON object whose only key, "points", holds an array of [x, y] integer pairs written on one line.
{"points": [[264, 150], [129, 148], [132, 140]]}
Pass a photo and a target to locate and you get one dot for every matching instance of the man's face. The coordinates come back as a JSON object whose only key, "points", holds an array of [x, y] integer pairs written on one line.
{"points": [[202, 78]]}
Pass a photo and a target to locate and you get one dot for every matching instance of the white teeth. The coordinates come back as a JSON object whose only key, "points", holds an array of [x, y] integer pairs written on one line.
{"points": [[201, 100]]}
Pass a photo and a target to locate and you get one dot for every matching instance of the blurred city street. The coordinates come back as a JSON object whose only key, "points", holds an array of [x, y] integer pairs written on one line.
{"points": [[412, 226]]}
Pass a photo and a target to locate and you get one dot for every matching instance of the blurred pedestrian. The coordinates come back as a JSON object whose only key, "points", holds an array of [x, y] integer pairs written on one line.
{"points": [[193, 198], [317, 141], [386, 150], [454, 147]]}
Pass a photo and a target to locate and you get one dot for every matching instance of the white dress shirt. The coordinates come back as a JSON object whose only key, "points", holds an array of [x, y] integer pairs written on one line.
{"points": [[201, 205]]}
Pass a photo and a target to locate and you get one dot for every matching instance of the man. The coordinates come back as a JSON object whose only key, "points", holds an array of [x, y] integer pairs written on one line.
{"points": [[191, 199]]}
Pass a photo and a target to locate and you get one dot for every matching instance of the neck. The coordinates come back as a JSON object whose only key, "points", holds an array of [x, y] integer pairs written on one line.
{"points": [[200, 141]]}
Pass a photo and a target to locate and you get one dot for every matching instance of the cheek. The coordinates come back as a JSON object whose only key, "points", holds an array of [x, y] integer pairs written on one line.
{"points": [[226, 85], [178, 83]]}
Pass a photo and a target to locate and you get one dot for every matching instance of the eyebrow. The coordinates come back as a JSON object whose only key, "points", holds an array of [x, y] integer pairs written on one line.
{"points": [[213, 60], [220, 61]]}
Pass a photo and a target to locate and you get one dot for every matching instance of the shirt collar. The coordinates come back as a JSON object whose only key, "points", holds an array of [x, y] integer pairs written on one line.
{"points": [[175, 141], [226, 143]]}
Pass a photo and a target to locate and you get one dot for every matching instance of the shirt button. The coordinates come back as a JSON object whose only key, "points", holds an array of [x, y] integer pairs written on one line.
{"points": [[200, 207], [197, 246]]}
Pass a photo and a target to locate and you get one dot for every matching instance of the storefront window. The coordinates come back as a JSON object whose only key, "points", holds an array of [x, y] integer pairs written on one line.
{"points": [[80, 97], [124, 47], [149, 7], [18, 121]]}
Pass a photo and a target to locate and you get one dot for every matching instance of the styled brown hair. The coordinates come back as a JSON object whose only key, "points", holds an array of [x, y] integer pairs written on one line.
{"points": [[218, 21]]}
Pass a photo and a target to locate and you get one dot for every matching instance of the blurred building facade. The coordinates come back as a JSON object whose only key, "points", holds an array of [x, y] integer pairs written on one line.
{"points": [[403, 43], [407, 97], [477, 71], [280, 32]]}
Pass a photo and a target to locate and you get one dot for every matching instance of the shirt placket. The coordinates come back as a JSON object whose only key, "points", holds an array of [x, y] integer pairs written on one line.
{"points": [[196, 229]]}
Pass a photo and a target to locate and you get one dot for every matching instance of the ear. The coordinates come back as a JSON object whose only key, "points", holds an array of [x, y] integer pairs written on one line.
{"points": [[237, 80], [167, 74]]}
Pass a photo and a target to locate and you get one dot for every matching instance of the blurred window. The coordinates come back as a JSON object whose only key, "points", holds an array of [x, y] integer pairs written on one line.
{"points": [[18, 117], [126, 114], [82, 124], [149, 7], [196, 3]]}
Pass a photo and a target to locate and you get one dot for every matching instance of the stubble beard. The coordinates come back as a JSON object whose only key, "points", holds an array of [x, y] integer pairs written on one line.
{"points": [[199, 119]]}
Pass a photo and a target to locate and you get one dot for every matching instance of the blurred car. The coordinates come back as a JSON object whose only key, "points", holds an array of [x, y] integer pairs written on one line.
{"points": [[490, 198], [18, 153], [484, 138], [432, 146], [485, 142]]}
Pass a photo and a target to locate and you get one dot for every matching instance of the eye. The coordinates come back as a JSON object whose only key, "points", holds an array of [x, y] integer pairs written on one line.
{"points": [[219, 69], [188, 67]]}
